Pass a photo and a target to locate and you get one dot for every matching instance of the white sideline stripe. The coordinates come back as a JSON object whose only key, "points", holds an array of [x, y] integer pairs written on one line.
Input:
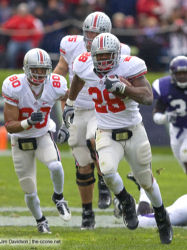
{"points": [[68, 154], [49, 209], [101, 221]]}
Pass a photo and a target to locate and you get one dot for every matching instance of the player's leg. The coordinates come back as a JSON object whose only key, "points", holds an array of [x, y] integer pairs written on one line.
{"points": [[138, 154], [47, 152], [105, 198], [84, 166], [179, 146], [25, 168], [110, 153], [144, 204]]}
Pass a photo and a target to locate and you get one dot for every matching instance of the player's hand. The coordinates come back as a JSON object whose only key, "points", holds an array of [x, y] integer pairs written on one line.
{"points": [[114, 85], [35, 117], [63, 134], [171, 116], [68, 115]]}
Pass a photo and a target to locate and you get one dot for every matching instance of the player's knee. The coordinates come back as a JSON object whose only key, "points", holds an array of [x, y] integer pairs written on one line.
{"points": [[144, 178], [143, 153], [28, 184], [91, 148], [85, 175], [107, 166], [73, 139], [55, 166], [82, 155]]}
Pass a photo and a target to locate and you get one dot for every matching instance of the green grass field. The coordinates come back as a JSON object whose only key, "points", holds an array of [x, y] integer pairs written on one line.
{"points": [[167, 171]]}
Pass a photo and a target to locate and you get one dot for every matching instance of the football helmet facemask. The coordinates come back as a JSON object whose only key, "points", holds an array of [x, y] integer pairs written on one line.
{"points": [[105, 52], [96, 23], [37, 65], [178, 71]]}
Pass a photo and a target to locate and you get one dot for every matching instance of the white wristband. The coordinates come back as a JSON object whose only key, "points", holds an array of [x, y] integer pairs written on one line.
{"points": [[69, 102], [24, 124], [160, 118]]}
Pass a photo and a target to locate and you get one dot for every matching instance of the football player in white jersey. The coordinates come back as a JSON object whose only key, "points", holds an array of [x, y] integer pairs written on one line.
{"points": [[117, 85], [29, 98], [82, 131]]}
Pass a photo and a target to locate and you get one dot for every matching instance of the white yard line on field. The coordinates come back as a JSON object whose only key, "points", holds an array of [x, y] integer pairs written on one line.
{"points": [[101, 221]]}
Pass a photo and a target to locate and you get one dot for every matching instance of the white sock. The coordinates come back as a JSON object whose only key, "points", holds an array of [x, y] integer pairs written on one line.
{"points": [[114, 182], [143, 196], [57, 176], [154, 195], [33, 203]]}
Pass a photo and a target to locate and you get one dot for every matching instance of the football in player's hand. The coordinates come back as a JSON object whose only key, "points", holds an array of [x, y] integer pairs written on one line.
{"points": [[126, 82]]}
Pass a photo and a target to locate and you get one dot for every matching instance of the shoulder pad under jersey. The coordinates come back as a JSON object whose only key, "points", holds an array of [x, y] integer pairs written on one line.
{"points": [[12, 88], [82, 63]]}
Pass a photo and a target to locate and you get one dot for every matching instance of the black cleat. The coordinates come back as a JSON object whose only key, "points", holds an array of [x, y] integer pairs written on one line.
{"points": [[144, 208], [164, 227], [43, 227], [88, 220], [63, 209], [131, 177], [129, 213], [105, 198]]}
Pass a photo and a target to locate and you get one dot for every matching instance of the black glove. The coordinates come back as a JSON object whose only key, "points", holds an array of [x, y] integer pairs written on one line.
{"points": [[114, 85], [68, 115], [63, 134], [35, 117]]}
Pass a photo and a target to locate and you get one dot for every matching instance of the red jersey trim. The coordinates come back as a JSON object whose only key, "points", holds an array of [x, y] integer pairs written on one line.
{"points": [[63, 51], [10, 99], [136, 76]]}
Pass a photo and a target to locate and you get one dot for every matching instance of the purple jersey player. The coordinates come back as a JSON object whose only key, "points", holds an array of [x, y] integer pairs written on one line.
{"points": [[170, 93]]}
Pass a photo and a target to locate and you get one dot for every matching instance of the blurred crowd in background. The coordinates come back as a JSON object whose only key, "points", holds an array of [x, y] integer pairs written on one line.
{"points": [[156, 30]]}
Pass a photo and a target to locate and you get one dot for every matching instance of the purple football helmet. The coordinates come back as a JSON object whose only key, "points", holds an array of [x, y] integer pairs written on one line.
{"points": [[178, 70]]}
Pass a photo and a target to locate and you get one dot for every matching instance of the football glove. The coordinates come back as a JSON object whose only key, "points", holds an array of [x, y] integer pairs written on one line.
{"points": [[114, 85], [35, 117], [68, 113], [63, 134]]}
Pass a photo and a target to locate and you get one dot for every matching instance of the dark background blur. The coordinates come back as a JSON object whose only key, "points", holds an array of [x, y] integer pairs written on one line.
{"points": [[155, 30]]}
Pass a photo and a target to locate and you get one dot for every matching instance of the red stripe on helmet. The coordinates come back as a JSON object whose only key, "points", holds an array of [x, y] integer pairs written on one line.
{"points": [[41, 57], [101, 42], [95, 21]]}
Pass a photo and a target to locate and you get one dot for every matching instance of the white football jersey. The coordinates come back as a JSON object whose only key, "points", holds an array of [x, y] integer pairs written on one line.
{"points": [[16, 91], [111, 111], [70, 48]]}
